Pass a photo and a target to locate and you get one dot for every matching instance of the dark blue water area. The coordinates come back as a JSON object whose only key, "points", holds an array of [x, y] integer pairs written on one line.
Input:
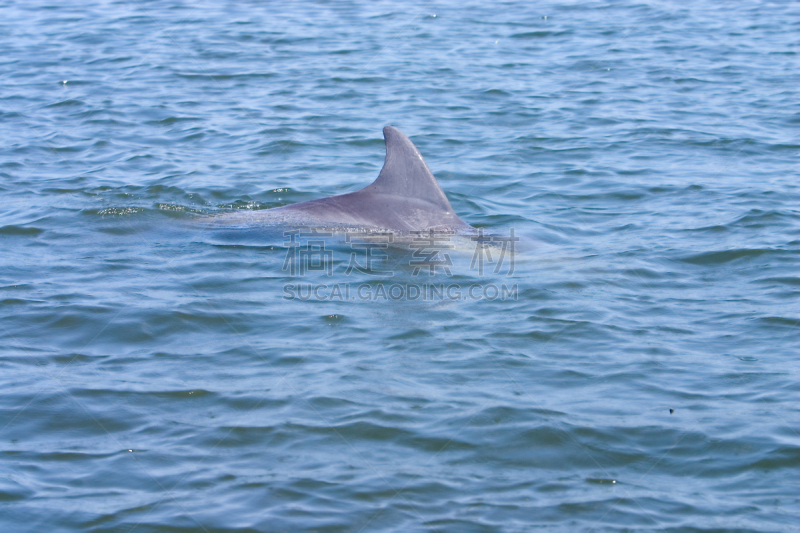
{"points": [[632, 366]]}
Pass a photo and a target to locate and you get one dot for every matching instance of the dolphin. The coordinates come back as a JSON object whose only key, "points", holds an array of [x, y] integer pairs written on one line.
{"points": [[404, 198]]}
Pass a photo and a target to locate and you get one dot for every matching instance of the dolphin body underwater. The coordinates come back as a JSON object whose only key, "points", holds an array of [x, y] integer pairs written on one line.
{"points": [[405, 198]]}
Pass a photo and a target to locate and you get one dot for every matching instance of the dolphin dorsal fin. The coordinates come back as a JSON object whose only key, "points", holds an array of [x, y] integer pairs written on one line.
{"points": [[405, 173]]}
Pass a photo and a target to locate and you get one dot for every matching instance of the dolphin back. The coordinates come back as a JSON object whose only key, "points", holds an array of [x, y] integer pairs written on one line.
{"points": [[405, 197]]}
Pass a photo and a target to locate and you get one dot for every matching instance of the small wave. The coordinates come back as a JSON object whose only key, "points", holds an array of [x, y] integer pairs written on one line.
{"points": [[20, 231], [224, 77], [756, 218], [172, 120], [533, 34], [67, 103], [780, 281], [725, 256]]}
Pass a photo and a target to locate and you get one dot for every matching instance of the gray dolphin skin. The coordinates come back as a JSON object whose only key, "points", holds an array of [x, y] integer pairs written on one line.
{"points": [[404, 198]]}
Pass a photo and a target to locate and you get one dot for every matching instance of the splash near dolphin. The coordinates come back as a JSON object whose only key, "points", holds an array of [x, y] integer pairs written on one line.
{"points": [[404, 198]]}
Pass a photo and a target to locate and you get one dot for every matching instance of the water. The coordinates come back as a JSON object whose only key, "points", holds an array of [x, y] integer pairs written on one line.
{"points": [[644, 376]]}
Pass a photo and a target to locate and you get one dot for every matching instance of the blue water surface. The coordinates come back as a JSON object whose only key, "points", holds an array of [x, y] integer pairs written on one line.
{"points": [[633, 367]]}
